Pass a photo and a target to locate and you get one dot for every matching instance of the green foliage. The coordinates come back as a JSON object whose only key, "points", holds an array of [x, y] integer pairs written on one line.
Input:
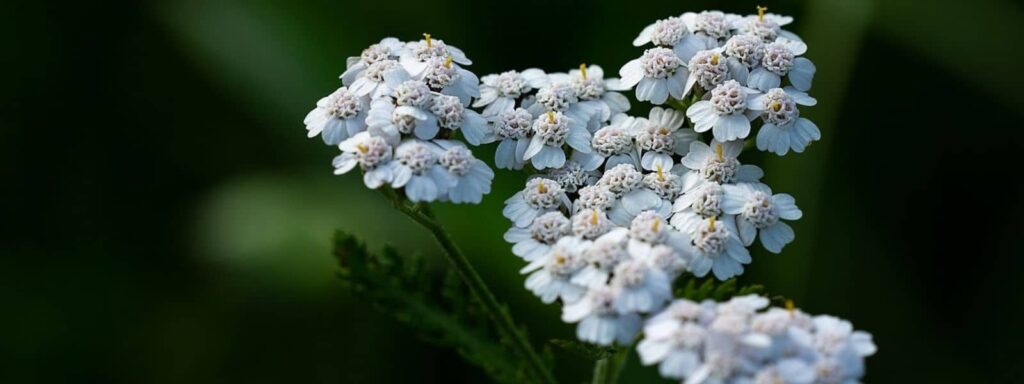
{"points": [[441, 310], [692, 288], [585, 350]]}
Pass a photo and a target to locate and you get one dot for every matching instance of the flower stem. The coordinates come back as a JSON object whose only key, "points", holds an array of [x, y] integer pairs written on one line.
{"points": [[607, 370], [423, 216]]}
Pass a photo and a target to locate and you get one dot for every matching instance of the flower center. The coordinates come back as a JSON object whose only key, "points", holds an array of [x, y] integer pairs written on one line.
{"points": [[372, 152], [780, 108], [711, 239], [413, 93], [449, 111], [667, 185], [659, 63], [550, 227], [747, 49], [376, 70], [344, 105], [708, 68], [719, 168], [708, 202], [441, 73], [712, 23], [589, 224], [648, 227], [595, 197], [729, 98], [621, 178], [416, 156], [458, 160], [760, 210], [553, 128], [542, 193], [778, 58], [515, 124], [611, 140], [557, 96], [511, 84], [652, 138], [667, 32]]}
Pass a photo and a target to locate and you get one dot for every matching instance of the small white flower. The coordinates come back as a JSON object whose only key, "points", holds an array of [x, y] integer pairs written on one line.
{"points": [[604, 254], [674, 338], [628, 184], [572, 176], [452, 115], [534, 242], [594, 197], [590, 223], [783, 128], [595, 94], [765, 26], [450, 79], [707, 69], [391, 121], [717, 164], [781, 58], [416, 55], [471, 175], [613, 144], [498, 93], [672, 32], [697, 204], [550, 131], [513, 129], [338, 116], [599, 321], [658, 74], [371, 154], [757, 210], [540, 195], [550, 275], [714, 25], [389, 48], [642, 287], [727, 111], [716, 247], [660, 136], [418, 171], [370, 82]]}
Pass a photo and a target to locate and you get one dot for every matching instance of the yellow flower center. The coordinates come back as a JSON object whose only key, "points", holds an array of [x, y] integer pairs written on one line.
{"points": [[551, 117], [362, 148], [542, 188], [776, 106]]}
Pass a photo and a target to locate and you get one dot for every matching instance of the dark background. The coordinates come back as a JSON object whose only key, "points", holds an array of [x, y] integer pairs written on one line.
{"points": [[165, 220]]}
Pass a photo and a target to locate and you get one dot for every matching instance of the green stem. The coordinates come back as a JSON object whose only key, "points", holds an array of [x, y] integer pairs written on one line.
{"points": [[607, 370], [422, 215], [600, 372]]}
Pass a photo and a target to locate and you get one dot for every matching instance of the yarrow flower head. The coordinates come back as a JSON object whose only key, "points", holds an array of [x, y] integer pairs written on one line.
{"points": [[658, 74], [338, 116]]}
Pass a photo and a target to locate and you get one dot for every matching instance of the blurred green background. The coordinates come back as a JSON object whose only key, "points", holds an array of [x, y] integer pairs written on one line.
{"points": [[165, 220]]}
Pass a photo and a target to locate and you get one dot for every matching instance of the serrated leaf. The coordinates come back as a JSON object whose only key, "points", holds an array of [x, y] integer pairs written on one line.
{"points": [[440, 310]]}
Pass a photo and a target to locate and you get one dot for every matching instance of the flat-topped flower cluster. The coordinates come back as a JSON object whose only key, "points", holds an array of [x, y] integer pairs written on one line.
{"points": [[617, 207], [737, 342], [395, 116]]}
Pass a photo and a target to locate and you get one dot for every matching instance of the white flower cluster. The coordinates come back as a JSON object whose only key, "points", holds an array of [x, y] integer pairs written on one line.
{"points": [[537, 117], [734, 66], [395, 116], [641, 200], [736, 342]]}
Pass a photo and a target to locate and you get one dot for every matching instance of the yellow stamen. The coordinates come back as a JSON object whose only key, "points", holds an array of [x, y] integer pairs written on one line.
{"points": [[427, 37], [542, 188], [551, 117], [448, 62], [760, 12], [593, 217], [559, 258], [714, 59], [664, 131], [718, 152], [776, 106], [790, 306], [711, 224], [661, 174], [583, 70], [655, 225], [362, 148]]}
